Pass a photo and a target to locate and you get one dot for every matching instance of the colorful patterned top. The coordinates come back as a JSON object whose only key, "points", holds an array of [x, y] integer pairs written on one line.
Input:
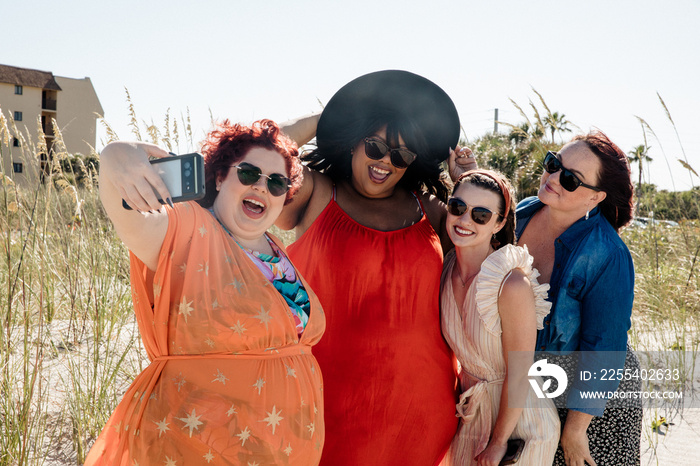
{"points": [[230, 379], [282, 275]]}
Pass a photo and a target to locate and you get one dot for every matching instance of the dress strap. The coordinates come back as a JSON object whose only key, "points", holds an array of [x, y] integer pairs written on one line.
{"points": [[420, 204], [500, 289]]}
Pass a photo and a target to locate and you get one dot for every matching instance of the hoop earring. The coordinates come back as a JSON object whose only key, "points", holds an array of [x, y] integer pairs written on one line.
{"points": [[588, 213]]}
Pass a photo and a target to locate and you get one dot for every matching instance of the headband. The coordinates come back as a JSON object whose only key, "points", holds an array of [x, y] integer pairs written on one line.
{"points": [[501, 184]]}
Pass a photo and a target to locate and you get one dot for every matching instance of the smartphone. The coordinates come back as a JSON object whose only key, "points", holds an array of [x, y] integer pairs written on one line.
{"points": [[513, 452], [183, 175]]}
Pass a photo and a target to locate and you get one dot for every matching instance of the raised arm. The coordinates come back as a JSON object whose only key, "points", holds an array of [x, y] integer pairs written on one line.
{"points": [[301, 130], [125, 173], [460, 160], [516, 306]]}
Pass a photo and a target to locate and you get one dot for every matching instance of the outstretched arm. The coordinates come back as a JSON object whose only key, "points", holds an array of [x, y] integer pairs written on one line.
{"points": [[125, 173]]}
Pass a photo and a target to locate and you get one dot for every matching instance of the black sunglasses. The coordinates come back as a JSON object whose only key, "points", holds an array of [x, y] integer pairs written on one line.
{"points": [[376, 149], [457, 207], [250, 174], [567, 179]]}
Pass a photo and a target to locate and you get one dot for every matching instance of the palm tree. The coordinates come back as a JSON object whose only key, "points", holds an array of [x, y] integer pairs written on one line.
{"points": [[639, 155], [556, 122]]}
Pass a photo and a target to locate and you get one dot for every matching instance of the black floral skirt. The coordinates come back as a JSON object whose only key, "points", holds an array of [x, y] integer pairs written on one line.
{"points": [[613, 438]]}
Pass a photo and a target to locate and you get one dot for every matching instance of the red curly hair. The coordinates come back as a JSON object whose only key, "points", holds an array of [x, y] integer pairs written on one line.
{"points": [[228, 143]]}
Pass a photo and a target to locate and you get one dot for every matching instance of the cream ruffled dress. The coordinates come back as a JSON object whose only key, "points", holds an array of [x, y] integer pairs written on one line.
{"points": [[473, 331]]}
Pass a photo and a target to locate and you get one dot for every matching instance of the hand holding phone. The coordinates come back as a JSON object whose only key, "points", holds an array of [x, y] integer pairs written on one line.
{"points": [[513, 451], [183, 175]]}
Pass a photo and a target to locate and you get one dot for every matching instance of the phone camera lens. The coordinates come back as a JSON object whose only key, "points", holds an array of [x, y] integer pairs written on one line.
{"points": [[188, 172], [188, 165]]}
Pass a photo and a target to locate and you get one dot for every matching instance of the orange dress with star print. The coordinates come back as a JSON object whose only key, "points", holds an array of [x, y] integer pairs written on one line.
{"points": [[230, 381]]}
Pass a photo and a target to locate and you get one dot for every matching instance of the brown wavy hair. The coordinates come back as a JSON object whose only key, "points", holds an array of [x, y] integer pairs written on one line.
{"points": [[228, 143], [614, 179]]}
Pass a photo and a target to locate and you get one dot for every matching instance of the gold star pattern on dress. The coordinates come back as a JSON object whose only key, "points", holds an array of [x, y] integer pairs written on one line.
{"points": [[183, 267], [214, 304], [179, 381], [259, 384], [220, 377], [291, 371], [288, 450], [236, 284], [191, 421], [273, 419], [184, 308], [264, 317], [202, 231], [239, 328], [204, 268], [162, 426], [157, 288], [254, 463], [231, 411], [312, 429], [244, 435], [209, 342], [169, 461], [209, 457]]}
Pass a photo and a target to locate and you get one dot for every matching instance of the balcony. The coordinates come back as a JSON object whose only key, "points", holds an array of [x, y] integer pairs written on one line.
{"points": [[47, 128], [48, 104]]}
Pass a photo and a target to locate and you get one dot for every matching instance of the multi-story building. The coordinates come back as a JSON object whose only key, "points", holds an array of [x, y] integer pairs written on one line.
{"points": [[34, 98]]}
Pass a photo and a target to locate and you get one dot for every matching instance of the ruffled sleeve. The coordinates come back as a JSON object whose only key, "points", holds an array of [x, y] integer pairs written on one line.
{"points": [[495, 269]]}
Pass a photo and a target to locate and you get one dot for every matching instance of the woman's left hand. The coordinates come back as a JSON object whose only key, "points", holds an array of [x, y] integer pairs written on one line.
{"points": [[492, 455], [461, 160], [574, 443]]}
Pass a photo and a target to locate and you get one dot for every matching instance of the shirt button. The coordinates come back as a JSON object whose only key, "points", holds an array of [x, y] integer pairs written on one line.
{"points": [[546, 323], [542, 348]]}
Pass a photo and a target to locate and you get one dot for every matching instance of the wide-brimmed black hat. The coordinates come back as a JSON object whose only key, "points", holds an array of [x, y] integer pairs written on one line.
{"points": [[394, 93]]}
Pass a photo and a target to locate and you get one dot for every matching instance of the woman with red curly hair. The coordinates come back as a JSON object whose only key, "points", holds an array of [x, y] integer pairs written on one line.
{"points": [[226, 320]]}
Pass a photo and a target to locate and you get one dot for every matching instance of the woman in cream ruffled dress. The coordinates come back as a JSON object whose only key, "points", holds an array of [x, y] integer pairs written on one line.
{"points": [[492, 306]]}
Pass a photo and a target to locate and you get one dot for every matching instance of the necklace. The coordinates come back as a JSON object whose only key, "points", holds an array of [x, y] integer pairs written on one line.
{"points": [[464, 282]]}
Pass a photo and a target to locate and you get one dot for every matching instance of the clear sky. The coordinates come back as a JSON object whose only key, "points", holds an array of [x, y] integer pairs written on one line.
{"points": [[600, 62]]}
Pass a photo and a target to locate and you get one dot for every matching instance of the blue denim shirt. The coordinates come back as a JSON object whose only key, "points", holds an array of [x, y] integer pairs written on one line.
{"points": [[591, 291]]}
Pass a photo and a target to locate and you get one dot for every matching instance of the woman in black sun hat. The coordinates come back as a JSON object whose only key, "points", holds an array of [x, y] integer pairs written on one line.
{"points": [[370, 222]]}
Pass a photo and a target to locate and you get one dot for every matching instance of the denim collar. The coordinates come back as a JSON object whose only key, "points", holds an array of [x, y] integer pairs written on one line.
{"points": [[528, 207]]}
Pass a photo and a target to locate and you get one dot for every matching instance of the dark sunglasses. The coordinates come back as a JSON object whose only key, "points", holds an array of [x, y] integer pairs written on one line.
{"points": [[567, 179], [457, 207], [250, 174], [376, 149]]}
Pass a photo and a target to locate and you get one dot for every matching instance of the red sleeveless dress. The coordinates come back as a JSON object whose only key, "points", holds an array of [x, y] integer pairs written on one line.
{"points": [[388, 375]]}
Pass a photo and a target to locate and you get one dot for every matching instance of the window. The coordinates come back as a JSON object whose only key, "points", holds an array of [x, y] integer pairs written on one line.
{"points": [[18, 116], [15, 142], [17, 167], [18, 89]]}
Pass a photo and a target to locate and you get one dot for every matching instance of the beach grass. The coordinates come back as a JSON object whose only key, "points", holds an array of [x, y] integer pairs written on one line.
{"points": [[69, 343]]}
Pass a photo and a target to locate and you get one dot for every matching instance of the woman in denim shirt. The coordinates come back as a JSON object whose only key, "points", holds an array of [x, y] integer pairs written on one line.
{"points": [[571, 230]]}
